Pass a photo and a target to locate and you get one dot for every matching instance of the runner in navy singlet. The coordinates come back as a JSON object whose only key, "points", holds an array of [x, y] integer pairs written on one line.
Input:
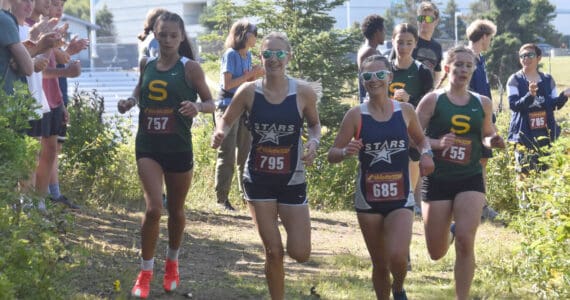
{"points": [[379, 132], [274, 179]]}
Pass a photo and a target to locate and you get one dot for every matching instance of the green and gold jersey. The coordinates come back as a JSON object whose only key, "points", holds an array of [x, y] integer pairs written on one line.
{"points": [[162, 129], [460, 160]]}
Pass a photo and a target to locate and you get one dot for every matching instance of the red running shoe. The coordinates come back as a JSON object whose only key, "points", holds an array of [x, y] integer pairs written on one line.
{"points": [[142, 286], [171, 276]]}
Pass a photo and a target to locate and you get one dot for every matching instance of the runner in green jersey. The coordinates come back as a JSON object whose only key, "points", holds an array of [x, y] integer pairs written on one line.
{"points": [[457, 122], [167, 93]]}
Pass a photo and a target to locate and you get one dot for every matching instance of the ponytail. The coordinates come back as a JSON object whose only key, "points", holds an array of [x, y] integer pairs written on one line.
{"points": [[441, 80], [143, 35]]}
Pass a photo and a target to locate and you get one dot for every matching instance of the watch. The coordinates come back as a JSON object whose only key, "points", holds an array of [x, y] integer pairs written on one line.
{"points": [[428, 152]]}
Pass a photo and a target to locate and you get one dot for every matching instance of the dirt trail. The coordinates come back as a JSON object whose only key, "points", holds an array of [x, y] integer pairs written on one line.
{"points": [[221, 256]]}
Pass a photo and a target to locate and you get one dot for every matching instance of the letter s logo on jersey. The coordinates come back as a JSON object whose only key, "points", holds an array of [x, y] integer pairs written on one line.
{"points": [[460, 124], [158, 90]]}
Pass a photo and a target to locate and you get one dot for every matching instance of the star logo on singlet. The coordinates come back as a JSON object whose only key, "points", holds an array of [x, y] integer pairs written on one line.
{"points": [[272, 134], [538, 101], [384, 153]]}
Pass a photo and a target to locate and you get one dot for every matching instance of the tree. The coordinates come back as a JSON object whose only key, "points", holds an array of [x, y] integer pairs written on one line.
{"points": [[77, 8], [518, 22], [319, 51], [104, 19], [447, 22], [478, 10]]}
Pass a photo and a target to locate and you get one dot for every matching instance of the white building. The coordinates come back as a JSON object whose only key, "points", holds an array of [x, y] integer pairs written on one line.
{"points": [[129, 16]]}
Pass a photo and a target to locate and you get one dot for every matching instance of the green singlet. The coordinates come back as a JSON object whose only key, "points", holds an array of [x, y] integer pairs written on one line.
{"points": [[461, 160], [162, 129]]}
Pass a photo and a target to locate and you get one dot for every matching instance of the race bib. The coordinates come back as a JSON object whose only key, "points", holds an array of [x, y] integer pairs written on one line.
{"points": [[384, 186], [459, 152], [537, 119], [159, 120], [272, 159]]}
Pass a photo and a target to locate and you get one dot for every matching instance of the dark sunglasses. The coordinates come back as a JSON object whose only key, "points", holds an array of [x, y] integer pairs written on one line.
{"points": [[280, 54], [380, 75], [427, 19], [527, 55]]}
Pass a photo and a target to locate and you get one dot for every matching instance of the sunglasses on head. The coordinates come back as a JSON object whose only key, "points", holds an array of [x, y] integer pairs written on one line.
{"points": [[280, 54], [380, 75], [527, 55], [426, 19]]}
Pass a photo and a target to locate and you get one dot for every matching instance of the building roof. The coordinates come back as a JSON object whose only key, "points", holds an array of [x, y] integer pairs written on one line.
{"points": [[73, 19]]}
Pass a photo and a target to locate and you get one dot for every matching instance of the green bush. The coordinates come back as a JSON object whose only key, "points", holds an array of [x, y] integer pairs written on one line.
{"points": [[17, 150], [97, 163], [29, 245], [501, 174], [331, 186], [545, 223]]}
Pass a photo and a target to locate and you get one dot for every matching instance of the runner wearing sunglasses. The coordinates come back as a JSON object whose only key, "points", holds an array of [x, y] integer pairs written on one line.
{"points": [[379, 132], [457, 123], [274, 179]]}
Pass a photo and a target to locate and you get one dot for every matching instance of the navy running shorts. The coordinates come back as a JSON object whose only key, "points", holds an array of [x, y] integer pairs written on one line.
{"points": [[283, 194]]}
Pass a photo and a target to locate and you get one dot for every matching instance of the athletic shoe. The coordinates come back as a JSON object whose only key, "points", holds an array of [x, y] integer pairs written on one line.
{"points": [[63, 200], [452, 235], [142, 286], [42, 206], [226, 205], [399, 295], [171, 276]]}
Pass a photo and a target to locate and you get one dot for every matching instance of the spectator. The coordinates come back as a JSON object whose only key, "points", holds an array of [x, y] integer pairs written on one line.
{"points": [[237, 67], [533, 97], [480, 33], [373, 30]]}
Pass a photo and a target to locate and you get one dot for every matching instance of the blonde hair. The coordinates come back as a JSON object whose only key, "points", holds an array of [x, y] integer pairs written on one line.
{"points": [[428, 6], [279, 36]]}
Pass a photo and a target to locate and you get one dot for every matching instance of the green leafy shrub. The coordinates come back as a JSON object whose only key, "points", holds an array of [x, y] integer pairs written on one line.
{"points": [[97, 162], [501, 174], [331, 186], [29, 245], [17, 150], [545, 223]]}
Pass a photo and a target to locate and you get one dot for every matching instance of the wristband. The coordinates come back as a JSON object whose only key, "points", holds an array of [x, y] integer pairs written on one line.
{"points": [[316, 141], [343, 153]]}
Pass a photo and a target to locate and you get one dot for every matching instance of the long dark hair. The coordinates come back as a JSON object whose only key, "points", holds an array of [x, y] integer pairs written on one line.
{"points": [[185, 48]]}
